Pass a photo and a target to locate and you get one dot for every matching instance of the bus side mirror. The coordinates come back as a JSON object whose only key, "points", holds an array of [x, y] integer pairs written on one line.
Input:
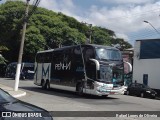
{"points": [[129, 66]]}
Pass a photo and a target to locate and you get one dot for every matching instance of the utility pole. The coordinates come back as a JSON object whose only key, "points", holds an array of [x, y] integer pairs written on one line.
{"points": [[90, 33], [21, 48], [89, 39]]}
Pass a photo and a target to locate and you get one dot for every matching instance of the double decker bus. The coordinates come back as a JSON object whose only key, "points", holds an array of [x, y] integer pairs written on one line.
{"points": [[90, 69]]}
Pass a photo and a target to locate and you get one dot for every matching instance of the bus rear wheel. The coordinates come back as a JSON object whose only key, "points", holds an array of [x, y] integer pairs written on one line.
{"points": [[80, 89], [47, 85], [43, 83]]}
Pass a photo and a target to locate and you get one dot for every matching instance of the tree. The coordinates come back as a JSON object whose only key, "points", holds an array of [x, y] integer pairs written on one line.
{"points": [[2, 60], [122, 43], [101, 37], [45, 29]]}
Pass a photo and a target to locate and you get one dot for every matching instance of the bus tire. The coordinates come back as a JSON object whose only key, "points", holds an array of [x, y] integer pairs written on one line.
{"points": [[43, 84], [80, 89], [142, 95], [104, 96], [47, 85], [23, 78]]}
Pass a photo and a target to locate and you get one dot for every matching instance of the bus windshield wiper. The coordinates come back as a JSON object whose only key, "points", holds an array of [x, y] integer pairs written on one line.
{"points": [[104, 59]]}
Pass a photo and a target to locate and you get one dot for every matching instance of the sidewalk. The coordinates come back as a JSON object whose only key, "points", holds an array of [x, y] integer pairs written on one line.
{"points": [[11, 91]]}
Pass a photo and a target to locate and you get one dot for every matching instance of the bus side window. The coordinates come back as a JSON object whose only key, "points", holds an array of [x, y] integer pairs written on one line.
{"points": [[67, 56], [77, 51], [39, 58], [57, 57], [77, 54], [89, 53], [47, 57]]}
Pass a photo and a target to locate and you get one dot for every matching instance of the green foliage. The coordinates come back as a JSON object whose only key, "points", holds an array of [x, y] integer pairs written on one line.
{"points": [[101, 37], [34, 40], [123, 44], [2, 60], [3, 48], [45, 29]]}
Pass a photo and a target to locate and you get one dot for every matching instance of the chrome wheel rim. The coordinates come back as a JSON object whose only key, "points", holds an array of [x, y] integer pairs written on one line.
{"points": [[142, 95]]}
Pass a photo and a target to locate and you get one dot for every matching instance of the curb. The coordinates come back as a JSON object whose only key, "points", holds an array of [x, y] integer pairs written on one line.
{"points": [[16, 94], [20, 95]]}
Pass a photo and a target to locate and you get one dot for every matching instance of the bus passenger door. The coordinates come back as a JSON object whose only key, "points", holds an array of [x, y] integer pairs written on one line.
{"points": [[38, 69], [91, 74], [90, 67]]}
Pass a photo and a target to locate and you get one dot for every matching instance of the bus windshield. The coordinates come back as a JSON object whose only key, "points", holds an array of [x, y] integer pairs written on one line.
{"points": [[108, 54]]}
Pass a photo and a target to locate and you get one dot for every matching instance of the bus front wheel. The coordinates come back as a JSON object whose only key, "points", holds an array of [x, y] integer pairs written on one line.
{"points": [[47, 85]]}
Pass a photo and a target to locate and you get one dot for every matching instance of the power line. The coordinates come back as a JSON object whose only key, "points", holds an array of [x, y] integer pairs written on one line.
{"points": [[35, 4]]}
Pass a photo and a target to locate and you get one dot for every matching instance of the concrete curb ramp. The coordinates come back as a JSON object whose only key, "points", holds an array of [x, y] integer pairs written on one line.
{"points": [[11, 91]]}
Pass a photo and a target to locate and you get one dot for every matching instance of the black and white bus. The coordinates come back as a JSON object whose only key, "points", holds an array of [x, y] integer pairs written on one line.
{"points": [[91, 69]]}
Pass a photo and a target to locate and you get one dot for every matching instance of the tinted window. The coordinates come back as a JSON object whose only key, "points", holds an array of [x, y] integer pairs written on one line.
{"points": [[89, 53], [39, 58], [139, 85], [150, 49], [108, 54], [47, 57], [132, 85], [57, 56]]}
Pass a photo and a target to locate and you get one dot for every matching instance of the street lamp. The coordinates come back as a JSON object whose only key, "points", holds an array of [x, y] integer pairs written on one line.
{"points": [[152, 26]]}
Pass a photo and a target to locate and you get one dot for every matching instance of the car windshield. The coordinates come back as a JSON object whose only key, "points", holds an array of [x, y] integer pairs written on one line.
{"points": [[145, 86], [28, 68], [5, 97], [108, 54]]}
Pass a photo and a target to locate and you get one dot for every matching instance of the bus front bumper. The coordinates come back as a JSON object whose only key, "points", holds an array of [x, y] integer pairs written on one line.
{"points": [[102, 91]]}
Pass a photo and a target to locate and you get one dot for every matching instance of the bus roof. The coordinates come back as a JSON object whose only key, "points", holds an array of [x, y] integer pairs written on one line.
{"points": [[50, 50], [65, 47], [102, 46], [25, 63]]}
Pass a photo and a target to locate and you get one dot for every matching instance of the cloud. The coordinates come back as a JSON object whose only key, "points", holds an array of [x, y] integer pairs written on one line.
{"points": [[124, 36], [128, 1], [123, 17], [65, 6]]}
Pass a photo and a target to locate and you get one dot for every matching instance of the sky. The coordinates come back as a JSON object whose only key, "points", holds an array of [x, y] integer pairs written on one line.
{"points": [[125, 17]]}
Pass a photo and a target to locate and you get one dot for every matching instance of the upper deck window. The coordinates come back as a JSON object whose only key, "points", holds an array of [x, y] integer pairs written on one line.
{"points": [[108, 54]]}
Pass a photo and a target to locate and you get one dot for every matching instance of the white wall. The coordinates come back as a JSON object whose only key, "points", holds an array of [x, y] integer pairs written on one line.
{"points": [[146, 66]]}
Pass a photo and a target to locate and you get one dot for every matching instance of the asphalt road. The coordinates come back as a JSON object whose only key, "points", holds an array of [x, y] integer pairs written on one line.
{"points": [[58, 100]]}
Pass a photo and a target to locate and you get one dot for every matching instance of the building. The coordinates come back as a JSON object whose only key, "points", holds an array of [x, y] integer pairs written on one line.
{"points": [[146, 67], [127, 55]]}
